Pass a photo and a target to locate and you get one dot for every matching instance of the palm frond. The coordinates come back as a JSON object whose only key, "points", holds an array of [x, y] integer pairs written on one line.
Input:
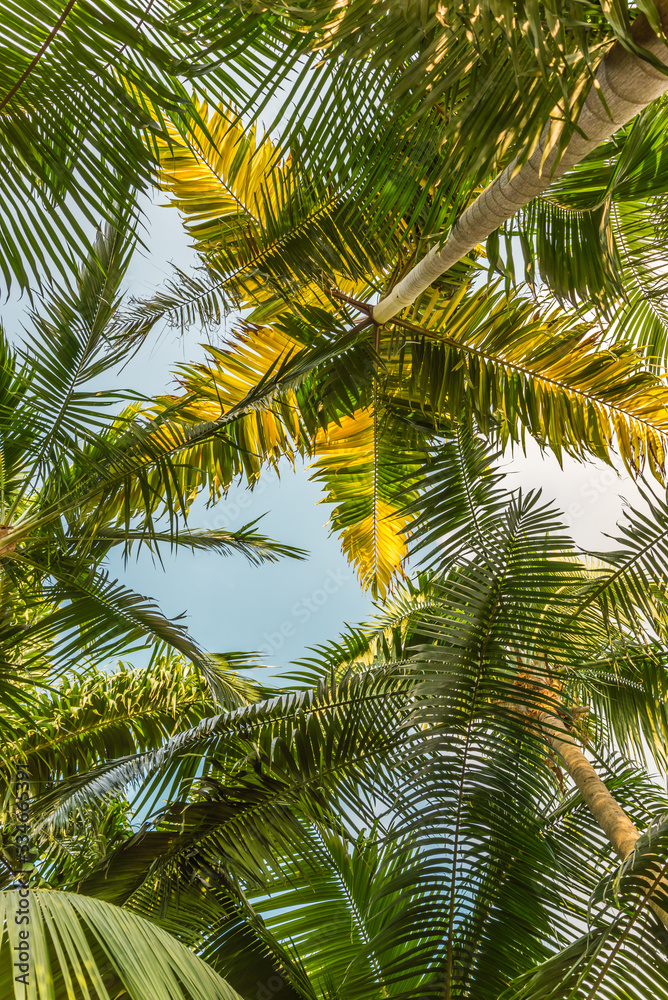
{"points": [[172, 767], [510, 365], [256, 547], [81, 122], [367, 469], [458, 501], [81, 944], [261, 224], [83, 722], [69, 346], [606, 218], [460, 96]]}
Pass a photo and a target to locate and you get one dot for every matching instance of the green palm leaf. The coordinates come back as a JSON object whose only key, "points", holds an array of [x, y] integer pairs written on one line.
{"points": [[410, 807], [80, 121], [84, 947]]}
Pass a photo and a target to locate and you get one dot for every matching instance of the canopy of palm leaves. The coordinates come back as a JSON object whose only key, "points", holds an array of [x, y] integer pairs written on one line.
{"points": [[86, 89], [353, 211], [80, 120], [460, 93], [397, 825]]}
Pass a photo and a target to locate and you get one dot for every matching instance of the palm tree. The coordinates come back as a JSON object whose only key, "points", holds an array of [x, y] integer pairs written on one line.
{"points": [[93, 718], [399, 824], [626, 82], [468, 99], [286, 810], [300, 258]]}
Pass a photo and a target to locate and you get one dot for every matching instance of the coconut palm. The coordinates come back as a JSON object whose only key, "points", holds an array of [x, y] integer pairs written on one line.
{"points": [[400, 825], [625, 83]]}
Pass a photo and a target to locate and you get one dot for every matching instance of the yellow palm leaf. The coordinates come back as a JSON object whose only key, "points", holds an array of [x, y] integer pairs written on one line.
{"points": [[516, 367], [221, 176], [256, 438], [260, 223], [368, 478]]}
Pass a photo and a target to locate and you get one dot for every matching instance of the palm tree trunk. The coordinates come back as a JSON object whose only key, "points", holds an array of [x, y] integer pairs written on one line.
{"points": [[607, 812], [624, 82]]}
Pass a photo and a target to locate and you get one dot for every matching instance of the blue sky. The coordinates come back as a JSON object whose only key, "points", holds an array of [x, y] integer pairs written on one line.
{"points": [[276, 609]]}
